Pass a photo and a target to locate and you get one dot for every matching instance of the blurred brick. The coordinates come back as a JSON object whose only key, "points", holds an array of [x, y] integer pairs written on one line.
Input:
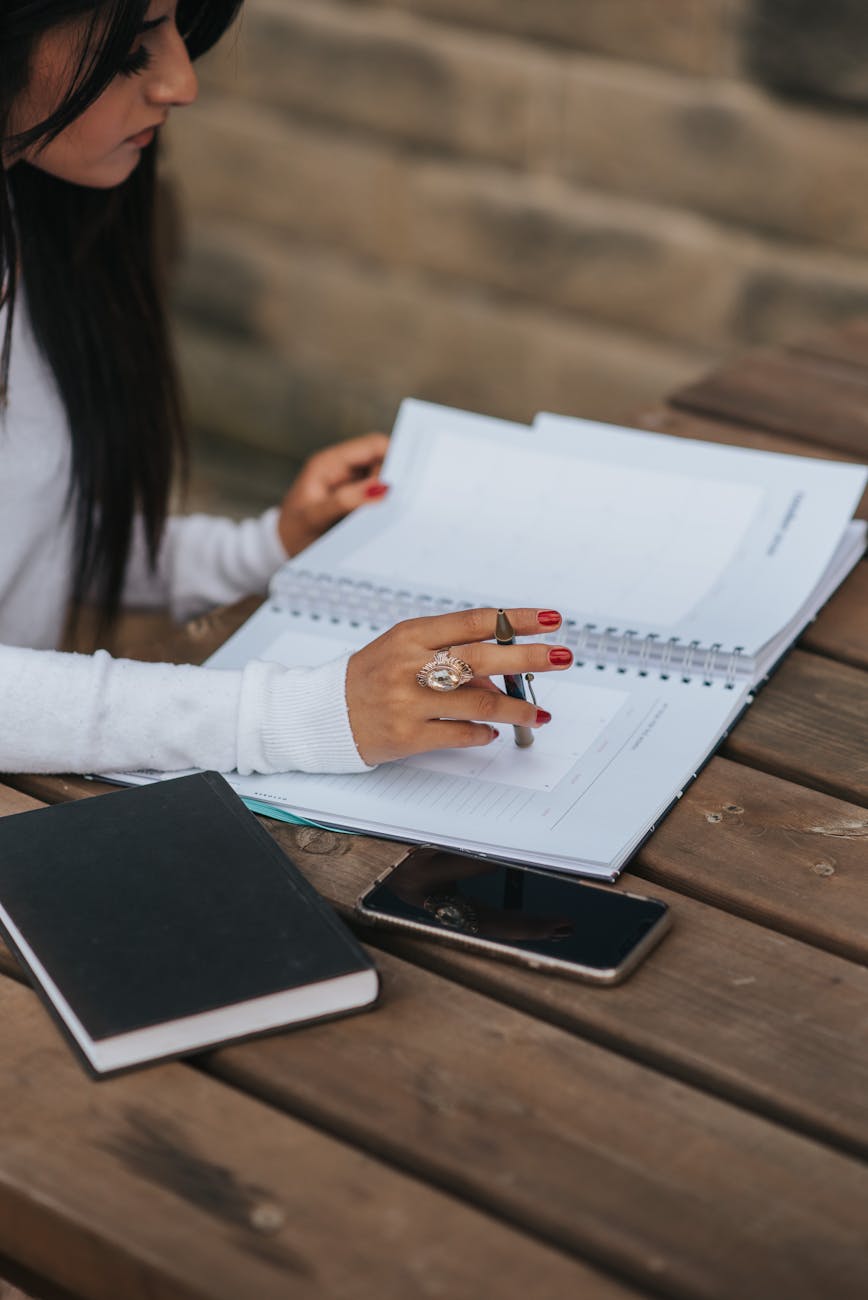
{"points": [[392, 73], [292, 177], [694, 35], [789, 293], [719, 147], [659, 271], [507, 205], [801, 47], [326, 323], [251, 398]]}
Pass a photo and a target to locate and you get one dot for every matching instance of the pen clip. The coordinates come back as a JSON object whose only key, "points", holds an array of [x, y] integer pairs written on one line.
{"points": [[528, 677]]}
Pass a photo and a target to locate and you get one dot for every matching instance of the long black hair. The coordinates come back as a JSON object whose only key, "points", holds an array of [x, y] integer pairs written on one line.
{"points": [[88, 262]]}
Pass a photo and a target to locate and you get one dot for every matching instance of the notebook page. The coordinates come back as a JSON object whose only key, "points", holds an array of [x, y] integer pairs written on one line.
{"points": [[486, 512], [705, 542], [442, 530], [615, 527], [618, 747]]}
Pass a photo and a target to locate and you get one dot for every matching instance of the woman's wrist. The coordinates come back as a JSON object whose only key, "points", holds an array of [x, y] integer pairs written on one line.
{"points": [[296, 719]]}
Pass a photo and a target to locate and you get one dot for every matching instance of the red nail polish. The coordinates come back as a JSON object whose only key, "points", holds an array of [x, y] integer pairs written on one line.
{"points": [[548, 617], [560, 655], [375, 490], [494, 733], [542, 716]]}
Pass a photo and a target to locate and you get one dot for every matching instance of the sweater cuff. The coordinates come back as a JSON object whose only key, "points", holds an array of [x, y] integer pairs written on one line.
{"points": [[273, 549], [296, 720]]}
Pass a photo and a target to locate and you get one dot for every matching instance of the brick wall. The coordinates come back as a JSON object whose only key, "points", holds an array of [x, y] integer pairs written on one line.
{"points": [[508, 205]]}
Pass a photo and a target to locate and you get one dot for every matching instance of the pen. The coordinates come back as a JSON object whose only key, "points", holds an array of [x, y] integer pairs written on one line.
{"points": [[512, 681]]}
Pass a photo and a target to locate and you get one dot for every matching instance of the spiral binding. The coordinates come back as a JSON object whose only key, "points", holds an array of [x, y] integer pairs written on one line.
{"points": [[612, 648], [365, 604]]}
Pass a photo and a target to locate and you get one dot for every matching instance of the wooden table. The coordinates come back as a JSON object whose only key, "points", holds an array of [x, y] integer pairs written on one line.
{"points": [[700, 1132]]}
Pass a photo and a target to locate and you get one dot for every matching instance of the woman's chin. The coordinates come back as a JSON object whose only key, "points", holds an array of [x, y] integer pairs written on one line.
{"points": [[105, 175]]}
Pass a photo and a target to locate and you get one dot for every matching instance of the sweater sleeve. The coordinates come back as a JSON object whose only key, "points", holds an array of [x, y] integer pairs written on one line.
{"points": [[203, 561], [93, 713]]}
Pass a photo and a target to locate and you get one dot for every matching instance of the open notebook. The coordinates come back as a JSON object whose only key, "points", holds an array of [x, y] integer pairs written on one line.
{"points": [[684, 571]]}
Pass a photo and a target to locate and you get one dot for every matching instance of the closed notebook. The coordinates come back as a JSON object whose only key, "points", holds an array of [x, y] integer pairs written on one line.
{"points": [[164, 920]]}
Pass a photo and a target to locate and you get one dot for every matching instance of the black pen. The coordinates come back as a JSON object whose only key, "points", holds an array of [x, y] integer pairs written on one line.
{"points": [[512, 681]]}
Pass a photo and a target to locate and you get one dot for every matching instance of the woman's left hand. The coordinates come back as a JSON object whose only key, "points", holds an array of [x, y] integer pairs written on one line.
{"points": [[331, 484]]}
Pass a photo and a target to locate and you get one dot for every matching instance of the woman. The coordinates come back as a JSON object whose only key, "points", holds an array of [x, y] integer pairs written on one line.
{"points": [[91, 437]]}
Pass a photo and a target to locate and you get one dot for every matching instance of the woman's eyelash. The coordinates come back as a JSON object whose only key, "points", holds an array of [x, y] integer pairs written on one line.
{"points": [[135, 62]]}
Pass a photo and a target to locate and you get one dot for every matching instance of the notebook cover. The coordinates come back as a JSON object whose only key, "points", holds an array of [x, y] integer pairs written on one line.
{"points": [[163, 901]]}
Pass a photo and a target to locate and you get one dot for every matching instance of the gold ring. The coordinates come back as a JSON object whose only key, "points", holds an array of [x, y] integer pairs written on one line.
{"points": [[445, 672]]}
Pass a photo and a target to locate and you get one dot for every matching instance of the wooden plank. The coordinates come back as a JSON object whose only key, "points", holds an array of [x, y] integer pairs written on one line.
{"points": [[13, 801], [740, 839], [46, 788], [841, 628], [752, 844], [21, 1284], [815, 400], [782, 880], [665, 1184], [764, 848], [759, 1028], [845, 345], [809, 724], [728, 1006], [9, 967], [748, 843], [517, 1174], [154, 638], [679, 1190], [689, 424], [167, 1185]]}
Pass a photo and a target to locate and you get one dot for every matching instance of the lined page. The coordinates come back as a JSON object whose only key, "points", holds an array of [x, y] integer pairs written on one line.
{"points": [[618, 747]]}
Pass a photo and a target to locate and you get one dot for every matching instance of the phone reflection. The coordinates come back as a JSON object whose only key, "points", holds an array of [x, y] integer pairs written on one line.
{"points": [[442, 885]]}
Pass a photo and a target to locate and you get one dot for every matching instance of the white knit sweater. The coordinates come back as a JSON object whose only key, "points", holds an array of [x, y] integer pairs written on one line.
{"points": [[91, 713]]}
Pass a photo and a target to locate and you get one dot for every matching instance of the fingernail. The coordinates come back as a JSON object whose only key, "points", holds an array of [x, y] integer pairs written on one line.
{"points": [[548, 617], [494, 733], [375, 490], [560, 655], [542, 716]]}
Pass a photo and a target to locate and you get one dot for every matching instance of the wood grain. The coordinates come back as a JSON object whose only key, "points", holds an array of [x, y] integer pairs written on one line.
{"points": [[809, 724], [769, 850], [58, 789], [587, 1149], [820, 401], [751, 844], [845, 345], [737, 1007], [155, 638], [730, 1007], [167, 1185], [14, 801], [840, 631]]}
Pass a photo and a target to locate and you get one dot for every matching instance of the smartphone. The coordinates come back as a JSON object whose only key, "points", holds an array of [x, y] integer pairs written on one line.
{"points": [[538, 918]]}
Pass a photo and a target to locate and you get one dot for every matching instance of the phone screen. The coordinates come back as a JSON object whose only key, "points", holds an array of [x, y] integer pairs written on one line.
{"points": [[518, 907]]}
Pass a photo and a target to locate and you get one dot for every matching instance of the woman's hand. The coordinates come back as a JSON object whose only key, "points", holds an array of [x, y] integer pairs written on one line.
{"points": [[392, 716], [331, 484]]}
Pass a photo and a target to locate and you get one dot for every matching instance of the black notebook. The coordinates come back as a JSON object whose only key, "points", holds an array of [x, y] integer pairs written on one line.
{"points": [[164, 920]]}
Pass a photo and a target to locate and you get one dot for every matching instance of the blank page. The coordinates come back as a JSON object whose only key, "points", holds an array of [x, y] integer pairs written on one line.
{"points": [[614, 527]]}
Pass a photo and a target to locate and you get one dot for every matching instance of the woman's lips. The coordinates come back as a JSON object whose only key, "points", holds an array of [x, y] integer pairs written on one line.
{"points": [[143, 139]]}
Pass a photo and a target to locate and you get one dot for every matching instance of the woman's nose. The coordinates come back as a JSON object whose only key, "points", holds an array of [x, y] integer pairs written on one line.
{"points": [[174, 82]]}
